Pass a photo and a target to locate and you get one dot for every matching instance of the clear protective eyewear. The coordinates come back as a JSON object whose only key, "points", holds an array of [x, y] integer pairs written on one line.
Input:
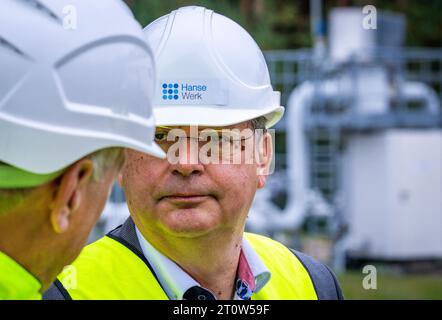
{"points": [[217, 144]]}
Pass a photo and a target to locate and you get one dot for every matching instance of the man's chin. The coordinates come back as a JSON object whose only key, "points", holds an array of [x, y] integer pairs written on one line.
{"points": [[188, 233], [189, 224]]}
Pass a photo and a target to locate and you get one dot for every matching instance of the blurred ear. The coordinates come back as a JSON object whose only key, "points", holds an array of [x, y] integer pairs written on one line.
{"points": [[264, 156], [67, 197]]}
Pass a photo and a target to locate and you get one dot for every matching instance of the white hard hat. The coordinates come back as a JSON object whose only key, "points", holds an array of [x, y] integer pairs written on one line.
{"points": [[210, 71], [76, 76]]}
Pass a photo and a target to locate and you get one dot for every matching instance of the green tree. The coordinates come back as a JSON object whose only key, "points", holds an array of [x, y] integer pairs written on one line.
{"points": [[285, 24]]}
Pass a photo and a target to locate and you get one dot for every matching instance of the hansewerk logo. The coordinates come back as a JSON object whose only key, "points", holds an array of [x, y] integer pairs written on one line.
{"points": [[183, 91], [170, 91]]}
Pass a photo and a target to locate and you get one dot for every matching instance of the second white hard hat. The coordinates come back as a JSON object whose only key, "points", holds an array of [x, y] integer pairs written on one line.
{"points": [[210, 71], [69, 88]]}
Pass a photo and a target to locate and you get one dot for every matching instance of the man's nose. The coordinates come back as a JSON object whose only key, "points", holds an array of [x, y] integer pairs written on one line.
{"points": [[187, 170], [189, 163]]}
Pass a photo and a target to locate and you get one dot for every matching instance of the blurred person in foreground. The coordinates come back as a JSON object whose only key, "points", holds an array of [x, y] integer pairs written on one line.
{"points": [[70, 104]]}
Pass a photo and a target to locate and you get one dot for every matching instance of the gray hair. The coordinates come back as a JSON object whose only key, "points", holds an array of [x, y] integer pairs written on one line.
{"points": [[103, 160], [259, 123]]}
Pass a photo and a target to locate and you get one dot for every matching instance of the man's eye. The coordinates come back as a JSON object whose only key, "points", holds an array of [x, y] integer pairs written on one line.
{"points": [[160, 136]]}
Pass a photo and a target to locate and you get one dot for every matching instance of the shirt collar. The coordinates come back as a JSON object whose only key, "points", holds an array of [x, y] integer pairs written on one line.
{"points": [[175, 281], [259, 270], [16, 283]]}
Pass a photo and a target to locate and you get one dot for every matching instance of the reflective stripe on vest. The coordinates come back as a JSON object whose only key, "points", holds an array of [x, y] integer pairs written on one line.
{"points": [[111, 269]]}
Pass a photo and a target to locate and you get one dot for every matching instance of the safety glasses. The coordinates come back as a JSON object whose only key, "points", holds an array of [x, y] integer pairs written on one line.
{"points": [[209, 143]]}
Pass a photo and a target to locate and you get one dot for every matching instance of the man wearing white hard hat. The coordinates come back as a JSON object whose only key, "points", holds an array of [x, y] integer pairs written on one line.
{"points": [[71, 101], [185, 238]]}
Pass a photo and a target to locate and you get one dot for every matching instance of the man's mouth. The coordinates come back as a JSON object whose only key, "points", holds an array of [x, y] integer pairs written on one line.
{"points": [[185, 198]]}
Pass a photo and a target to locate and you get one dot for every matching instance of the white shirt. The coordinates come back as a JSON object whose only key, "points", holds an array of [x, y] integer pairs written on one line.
{"points": [[175, 281]]}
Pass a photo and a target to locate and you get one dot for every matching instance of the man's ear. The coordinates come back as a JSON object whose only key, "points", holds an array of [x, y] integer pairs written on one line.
{"points": [[264, 156], [68, 196]]}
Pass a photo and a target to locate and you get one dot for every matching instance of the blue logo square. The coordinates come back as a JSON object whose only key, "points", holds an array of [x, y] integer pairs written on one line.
{"points": [[170, 91]]}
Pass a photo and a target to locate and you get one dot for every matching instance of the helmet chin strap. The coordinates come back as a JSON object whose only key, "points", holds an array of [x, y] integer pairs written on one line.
{"points": [[15, 178]]}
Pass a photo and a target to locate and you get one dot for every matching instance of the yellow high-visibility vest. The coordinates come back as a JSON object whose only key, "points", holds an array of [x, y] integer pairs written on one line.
{"points": [[17, 283], [113, 268]]}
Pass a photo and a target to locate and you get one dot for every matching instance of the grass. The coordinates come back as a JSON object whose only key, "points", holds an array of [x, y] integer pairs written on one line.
{"points": [[392, 286]]}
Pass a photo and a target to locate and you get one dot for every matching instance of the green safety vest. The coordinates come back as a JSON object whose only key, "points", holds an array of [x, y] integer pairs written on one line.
{"points": [[114, 267]]}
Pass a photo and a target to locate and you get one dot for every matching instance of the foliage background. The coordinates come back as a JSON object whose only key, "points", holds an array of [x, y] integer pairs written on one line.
{"points": [[285, 24]]}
